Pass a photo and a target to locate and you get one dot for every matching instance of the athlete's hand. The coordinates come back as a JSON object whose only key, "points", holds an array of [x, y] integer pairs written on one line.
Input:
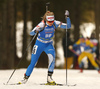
{"points": [[32, 33], [70, 47], [66, 13]]}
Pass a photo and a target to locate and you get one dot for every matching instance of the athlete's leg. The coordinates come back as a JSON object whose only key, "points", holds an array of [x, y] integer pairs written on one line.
{"points": [[37, 50], [81, 56], [50, 51], [92, 60]]}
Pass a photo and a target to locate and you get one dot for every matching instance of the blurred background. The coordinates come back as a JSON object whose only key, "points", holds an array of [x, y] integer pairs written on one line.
{"points": [[19, 17]]}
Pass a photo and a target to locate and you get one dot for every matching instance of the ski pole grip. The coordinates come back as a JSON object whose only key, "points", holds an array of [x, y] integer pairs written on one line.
{"points": [[48, 3], [66, 13]]}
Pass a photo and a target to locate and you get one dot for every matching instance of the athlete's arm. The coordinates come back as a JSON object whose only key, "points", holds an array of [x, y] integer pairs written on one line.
{"points": [[37, 28]]}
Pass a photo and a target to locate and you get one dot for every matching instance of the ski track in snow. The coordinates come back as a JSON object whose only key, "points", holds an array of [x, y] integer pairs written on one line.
{"points": [[89, 79]]}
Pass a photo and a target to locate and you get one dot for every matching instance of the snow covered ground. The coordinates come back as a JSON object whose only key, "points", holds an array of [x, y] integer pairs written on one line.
{"points": [[89, 79]]}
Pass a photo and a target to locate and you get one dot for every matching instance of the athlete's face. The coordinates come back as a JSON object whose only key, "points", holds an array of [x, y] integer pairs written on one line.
{"points": [[50, 23]]}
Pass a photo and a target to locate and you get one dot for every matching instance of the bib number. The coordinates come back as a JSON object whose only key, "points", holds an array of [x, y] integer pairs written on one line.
{"points": [[48, 35], [34, 49]]}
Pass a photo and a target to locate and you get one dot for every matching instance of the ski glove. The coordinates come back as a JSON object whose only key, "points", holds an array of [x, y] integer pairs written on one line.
{"points": [[67, 12], [32, 33]]}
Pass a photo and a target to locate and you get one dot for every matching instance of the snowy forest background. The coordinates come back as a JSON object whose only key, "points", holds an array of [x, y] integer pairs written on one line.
{"points": [[28, 13]]}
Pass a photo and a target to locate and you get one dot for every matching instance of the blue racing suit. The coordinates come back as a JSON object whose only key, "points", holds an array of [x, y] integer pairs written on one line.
{"points": [[44, 43]]}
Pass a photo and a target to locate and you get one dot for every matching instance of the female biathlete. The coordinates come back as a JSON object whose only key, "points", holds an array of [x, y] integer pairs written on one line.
{"points": [[44, 42]]}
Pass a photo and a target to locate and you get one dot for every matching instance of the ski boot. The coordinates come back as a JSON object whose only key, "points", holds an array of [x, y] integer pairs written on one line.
{"points": [[99, 71], [25, 79], [81, 70], [50, 81]]}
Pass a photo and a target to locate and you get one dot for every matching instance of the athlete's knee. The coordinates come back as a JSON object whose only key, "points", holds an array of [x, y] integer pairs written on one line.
{"points": [[51, 62], [51, 57]]}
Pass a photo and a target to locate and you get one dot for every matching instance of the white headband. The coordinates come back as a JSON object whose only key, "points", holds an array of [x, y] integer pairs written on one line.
{"points": [[50, 18]]}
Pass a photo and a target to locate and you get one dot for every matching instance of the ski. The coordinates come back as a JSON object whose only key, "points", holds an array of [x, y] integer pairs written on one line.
{"points": [[71, 85], [19, 83], [57, 84], [53, 84]]}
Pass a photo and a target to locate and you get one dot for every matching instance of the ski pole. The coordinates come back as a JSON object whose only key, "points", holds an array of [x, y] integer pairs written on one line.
{"points": [[47, 6], [66, 48], [21, 58], [74, 52]]}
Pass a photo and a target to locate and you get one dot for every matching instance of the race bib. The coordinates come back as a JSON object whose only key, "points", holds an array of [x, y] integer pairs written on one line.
{"points": [[34, 49]]}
